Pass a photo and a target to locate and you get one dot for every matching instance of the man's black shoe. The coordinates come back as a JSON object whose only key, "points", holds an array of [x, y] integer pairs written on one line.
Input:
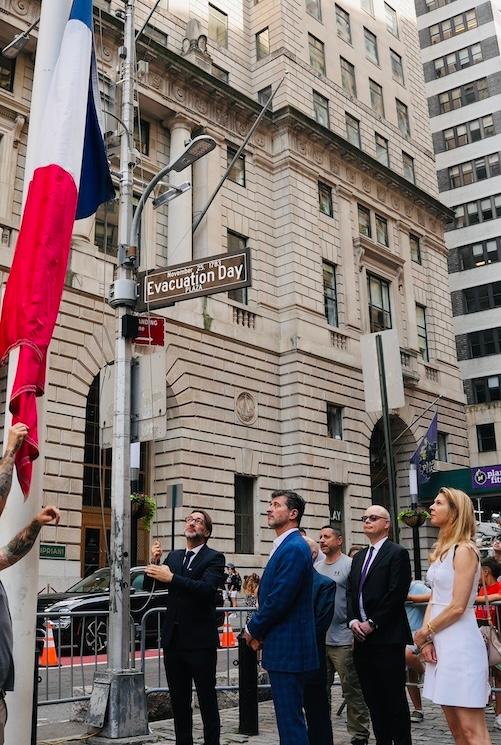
{"points": [[359, 741]]}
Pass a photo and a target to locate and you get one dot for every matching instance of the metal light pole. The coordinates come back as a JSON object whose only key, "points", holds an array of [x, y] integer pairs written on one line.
{"points": [[416, 546], [390, 461]]}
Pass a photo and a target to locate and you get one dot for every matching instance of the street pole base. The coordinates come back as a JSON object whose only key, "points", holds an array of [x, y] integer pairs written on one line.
{"points": [[118, 707]]}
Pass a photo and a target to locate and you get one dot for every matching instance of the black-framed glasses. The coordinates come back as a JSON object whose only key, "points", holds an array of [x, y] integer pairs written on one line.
{"points": [[371, 518], [197, 520]]}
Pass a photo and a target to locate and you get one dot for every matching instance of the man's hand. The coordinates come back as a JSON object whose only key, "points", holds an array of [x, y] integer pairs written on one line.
{"points": [[361, 630], [15, 438], [48, 515], [156, 552], [254, 644], [161, 573]]}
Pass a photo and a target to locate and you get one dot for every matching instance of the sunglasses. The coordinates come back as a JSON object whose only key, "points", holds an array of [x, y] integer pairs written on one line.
{"points": [[371, 518], [497, 538]]}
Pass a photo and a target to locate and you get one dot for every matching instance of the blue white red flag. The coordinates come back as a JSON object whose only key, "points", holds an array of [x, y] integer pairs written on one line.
{"points": [[70, 180], [426, 453]]}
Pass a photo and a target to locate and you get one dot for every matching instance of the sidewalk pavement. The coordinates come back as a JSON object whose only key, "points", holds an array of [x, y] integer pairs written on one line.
{"points": [[432, 731]]}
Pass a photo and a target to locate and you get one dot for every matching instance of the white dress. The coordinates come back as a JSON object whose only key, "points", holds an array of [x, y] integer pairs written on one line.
{"points": [[460, 677]]}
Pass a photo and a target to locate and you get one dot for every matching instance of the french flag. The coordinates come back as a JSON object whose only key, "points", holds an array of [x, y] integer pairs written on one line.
{"points": [[70, 180]]}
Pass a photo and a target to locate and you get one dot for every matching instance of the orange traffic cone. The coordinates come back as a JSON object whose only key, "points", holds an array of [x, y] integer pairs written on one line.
{"points": [[48, 658], [227, 637]]}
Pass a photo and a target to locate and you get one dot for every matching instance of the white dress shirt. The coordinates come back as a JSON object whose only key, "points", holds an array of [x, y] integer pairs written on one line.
{"points": [[280, 539], [195, 552], [377, 546]]}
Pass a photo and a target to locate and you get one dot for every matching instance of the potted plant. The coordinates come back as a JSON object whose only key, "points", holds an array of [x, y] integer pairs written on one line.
{"points": [[143, 507], [413, 517]]}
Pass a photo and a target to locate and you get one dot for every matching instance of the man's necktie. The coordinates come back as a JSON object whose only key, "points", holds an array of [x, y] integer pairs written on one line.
{"points": [[186, 560], [365, 569]]}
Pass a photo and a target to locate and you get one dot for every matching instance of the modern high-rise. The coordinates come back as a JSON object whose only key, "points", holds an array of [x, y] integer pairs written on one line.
{"points": [[460, 49], [336, 197]]}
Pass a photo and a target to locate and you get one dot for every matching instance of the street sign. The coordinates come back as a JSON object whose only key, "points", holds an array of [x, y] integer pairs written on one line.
{"points": [[52, 551], [151, 331], [162, 287]]}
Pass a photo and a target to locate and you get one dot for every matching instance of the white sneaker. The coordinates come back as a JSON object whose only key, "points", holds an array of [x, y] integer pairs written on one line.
{"points": [[497, 721]]}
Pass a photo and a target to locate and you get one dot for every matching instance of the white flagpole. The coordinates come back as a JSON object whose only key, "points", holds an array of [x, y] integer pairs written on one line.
{"points": [[21, 580]]}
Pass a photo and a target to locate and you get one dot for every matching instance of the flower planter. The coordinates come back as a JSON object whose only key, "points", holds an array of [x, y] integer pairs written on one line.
{"points": [[414, 519]]}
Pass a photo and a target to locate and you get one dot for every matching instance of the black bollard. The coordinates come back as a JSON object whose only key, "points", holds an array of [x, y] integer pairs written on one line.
{"points": [[247, 690]]}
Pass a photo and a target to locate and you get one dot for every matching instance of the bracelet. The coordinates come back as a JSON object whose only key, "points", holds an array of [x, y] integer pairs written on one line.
{"points": [[430, 628], [426, 643]]}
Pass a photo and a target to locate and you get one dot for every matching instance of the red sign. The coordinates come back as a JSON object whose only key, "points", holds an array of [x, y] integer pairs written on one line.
{"points": [[151, 331]]}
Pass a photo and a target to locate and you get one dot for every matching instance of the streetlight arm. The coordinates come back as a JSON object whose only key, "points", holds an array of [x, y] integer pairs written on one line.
{"points": [[134, 231]]}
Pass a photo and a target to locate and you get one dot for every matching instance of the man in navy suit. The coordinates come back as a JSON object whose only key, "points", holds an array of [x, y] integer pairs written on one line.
{"points": [[284, 623], [376, 593], [189, 627]]}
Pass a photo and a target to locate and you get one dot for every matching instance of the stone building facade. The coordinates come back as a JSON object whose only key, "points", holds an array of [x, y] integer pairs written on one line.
{"points": [[336, 197]]}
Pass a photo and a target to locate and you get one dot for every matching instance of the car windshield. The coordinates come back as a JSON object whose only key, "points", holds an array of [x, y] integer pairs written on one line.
{"points": [[96, 582]]}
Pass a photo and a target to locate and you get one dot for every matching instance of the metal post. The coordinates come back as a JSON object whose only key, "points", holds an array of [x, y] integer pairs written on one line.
{"points": [[416, 547], [390, 465], [248, 723], [173, 526]]}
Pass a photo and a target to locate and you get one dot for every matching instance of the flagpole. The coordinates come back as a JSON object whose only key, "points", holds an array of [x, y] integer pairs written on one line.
{"points": [[21, 580], [416, 546], [390, 460]]}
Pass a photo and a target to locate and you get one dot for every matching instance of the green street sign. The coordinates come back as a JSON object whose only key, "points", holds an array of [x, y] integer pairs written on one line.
{"points": [[52, 551]]}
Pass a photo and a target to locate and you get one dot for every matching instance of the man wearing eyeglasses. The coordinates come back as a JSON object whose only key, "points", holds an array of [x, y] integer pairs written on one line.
{"points": [[189, 627], [376, 592]]}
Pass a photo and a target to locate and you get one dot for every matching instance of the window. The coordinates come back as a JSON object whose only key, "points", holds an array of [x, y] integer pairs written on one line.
{"points": [[106, 227], [458, 60], [263, 96], [244, 514], [330, 293], [219, 73], [371, 46], [376, 94], [237, 242], [463, 134], [408, 167], [476, 212], [474, 170], [482, 297], [391, 19], [382, 153], [422, 333], [352, 130], [434, 4], [343, 24], [335, 421], [382, 231], [443, 447], [325, 199], [415, 244], [453, 26], [218, 26], [317, 54], [7, 72], [348, 77], [486, 437], [262, 44], [142, 135], [379, 303], [484, 343], [403, 119], [321, 109], [480, 254], [486, 390], [364, 221], [463, 95], [237, 173], [336, 506], [397, 69], [314, 8], [368, 6]]}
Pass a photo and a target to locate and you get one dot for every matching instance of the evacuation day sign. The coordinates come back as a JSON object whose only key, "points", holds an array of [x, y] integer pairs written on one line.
{"points": [[221, 273]]}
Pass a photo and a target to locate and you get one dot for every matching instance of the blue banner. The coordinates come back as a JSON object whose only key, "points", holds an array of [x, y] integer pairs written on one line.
{"points": [[426, 453]]}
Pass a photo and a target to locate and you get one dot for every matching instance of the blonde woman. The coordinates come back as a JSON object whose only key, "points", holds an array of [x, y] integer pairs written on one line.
{"points": [[457, 673]]}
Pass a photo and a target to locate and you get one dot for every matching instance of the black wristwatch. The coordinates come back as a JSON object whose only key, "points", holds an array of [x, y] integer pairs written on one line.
{"points": [[371, 623]]}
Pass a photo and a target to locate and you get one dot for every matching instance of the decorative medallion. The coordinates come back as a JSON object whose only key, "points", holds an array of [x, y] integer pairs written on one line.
{"points": [[155, 80], [366, 185], [350, 175], [179, 93], [246, 407], [381, 193], [201, 104]]}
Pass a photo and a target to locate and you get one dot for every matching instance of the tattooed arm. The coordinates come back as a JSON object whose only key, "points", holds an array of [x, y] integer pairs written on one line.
{"points": [[15, 439], [24, 540]]}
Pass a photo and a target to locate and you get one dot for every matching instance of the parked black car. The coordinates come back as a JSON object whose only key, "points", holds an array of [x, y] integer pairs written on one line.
{"points": [[81, 623]]}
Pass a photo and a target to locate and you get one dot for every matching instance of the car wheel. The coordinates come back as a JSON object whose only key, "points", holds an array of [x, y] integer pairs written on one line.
{"points": [[95, 636]]}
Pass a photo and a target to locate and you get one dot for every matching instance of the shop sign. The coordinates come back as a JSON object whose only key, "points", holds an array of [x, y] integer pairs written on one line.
{"points": [[52, 551], [486, 477]]}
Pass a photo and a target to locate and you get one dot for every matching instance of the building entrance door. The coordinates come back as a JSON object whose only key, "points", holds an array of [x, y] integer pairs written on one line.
{"points": [[95, 539]]}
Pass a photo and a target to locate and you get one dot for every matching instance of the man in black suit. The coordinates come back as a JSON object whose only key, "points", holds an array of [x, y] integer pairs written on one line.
{"points": [[189, 628], [377, 589]]}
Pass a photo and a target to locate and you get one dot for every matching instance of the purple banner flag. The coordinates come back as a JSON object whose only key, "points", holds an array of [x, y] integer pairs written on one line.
{"points": [[424, 457]]}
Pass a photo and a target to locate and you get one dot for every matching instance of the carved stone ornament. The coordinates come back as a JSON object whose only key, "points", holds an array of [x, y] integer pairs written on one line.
{"points": [[155, 80], [350, 175], [318, 156], [21, 7], [246, 407], [201, 105], [179, 93], [381, 193], [334, 165], [260, 139], [395, 202], [366, 185]]}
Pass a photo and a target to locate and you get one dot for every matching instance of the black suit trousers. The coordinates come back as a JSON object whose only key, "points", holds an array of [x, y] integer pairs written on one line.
{"points": [[381, 670], [183, 667], [316, 703]]}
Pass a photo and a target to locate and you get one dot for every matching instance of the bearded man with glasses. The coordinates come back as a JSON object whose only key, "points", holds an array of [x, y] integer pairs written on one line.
{"points": [[376, 593], [189, 626]]}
